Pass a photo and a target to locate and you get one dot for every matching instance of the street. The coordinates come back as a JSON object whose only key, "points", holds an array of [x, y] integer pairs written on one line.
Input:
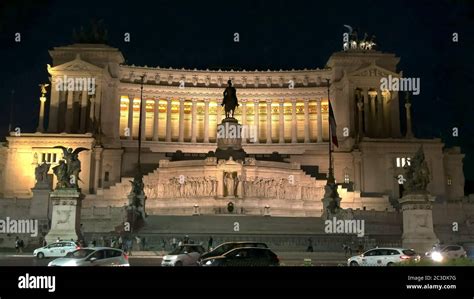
{"points": [[151, 259]]}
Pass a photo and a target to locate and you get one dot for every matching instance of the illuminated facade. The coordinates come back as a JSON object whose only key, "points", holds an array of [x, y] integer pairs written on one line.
{"points": [[287, 109]]}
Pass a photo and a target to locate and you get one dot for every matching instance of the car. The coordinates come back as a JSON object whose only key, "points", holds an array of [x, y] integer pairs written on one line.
{"points": [[383, 257], [56, 249], [446, 252], [96, 256], [183, 255], [225, 247], [244, 257]]}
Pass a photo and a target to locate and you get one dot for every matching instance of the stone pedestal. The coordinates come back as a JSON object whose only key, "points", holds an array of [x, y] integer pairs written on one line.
{"points": [[40, 207], [418, 233], [66, 215], [229, 140]]}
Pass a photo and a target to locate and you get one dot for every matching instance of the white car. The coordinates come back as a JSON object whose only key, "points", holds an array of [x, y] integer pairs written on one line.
{"points": [[446, 252], [57, 249], [97, 256], [383, 257], [184, 255]]}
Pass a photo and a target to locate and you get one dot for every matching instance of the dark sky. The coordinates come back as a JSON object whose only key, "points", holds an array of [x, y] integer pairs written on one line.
{"points": [[273, 34]]}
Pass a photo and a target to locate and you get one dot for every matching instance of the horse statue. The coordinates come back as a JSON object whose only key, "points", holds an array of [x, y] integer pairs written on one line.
{"points": [[230, 101]]}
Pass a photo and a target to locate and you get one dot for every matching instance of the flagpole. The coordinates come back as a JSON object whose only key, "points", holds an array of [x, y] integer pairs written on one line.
{"points": [[331, 174]]}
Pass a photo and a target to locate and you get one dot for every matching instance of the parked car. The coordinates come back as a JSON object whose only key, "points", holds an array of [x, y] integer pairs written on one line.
{"points": [[56, 249], [97, 256], [225, 247], [183, 255], [383, 257], [446, 252], [244, 256]]}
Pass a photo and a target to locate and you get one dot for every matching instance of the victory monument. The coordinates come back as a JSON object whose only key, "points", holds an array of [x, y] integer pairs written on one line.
{"points": [[66, 197], [417, 203]]}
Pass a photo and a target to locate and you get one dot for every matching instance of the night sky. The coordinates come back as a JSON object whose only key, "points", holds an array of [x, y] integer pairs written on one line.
{"points": [[274, 35]]}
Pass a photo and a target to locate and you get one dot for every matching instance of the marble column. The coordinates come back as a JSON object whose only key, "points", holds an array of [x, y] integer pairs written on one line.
{"points": [[92, 123], [320, 120], [206, 121], [256, 120], [53, 109], [70, 110], [156, 118], [380, 119], [281, 121], [386, 114], [243, 103], [306, 121], [357, 170], [360, 129], [41, 115], [181, 120], [408, 115], [293, 122], [368, 125], [218, 114], [193, 121], [143, 112], [373, 116], [83, 111], [130, 116], [97, 158], [168, 119], [269, 121]]}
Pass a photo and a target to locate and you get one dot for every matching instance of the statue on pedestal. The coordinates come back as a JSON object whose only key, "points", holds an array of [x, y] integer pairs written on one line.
{"points": [[230, 101], [41, 173], [417, 174], [67, 172]]}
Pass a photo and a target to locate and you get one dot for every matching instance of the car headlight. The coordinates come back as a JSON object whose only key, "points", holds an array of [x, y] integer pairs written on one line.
{"points": [[437, 256], [50, 264], [209, 262]]}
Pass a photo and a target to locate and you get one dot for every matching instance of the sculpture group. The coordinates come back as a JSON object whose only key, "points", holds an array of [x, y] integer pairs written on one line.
{"points": [[67, 172], [417, 174], [354, 43]]}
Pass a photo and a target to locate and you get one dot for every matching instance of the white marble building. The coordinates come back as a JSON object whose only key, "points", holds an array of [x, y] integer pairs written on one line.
{"points": [[288, 109]]}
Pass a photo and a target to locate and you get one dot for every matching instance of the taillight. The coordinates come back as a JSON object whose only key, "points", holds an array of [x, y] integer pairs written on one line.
{"points": [[125, 256], [78, 247], [404, 257]]}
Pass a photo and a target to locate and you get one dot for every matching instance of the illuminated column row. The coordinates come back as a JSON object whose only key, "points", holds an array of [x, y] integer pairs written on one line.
{"points": [[244, 119]]}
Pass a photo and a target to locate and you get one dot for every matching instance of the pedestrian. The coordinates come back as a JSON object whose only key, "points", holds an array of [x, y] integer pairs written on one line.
{"points": [[173, 242], [44, 242], [163, 245], [138, 242], [17, 244], [102, 241], [22, 244], [210, 243], [120, 242], [186, 239], [310, 245], [94, 243], [143, 243], [349, 248], [112, 243], [129, 242]]}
